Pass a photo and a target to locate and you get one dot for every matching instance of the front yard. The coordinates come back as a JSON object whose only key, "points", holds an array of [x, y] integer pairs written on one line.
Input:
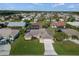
{"points": [[61, 46], [66, 48], [23, 47]]}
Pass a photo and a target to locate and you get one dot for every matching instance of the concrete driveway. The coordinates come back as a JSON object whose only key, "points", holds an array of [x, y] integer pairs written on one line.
{"points": [[48, 46], [5, 49]]}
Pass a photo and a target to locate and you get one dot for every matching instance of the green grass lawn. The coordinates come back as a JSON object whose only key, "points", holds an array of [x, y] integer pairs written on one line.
{"points": [[58, 36], [10, 20], [66, 48], [23, 47]]}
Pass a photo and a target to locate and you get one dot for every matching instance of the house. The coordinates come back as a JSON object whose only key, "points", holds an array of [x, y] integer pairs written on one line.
{"points": [[3, 24], [71, 32], [2, 18], [76, 24], [27, 18], [32, 33], [35, 26], [28, 36], [41, 34], [76, 17], [35, 20], [59, 24], [61, 19], [8, 33], [64, 15], [16, 24]]}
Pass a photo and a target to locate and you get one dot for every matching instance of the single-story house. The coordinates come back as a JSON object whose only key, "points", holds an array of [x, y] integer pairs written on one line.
{"points": [[8, 33], [27, 18], [35, 26], [76, 24], [71, 32], [59, 24], [32, 33], [41, 34], [28, 36], [76, 17], [3, 24], [16, 24]]}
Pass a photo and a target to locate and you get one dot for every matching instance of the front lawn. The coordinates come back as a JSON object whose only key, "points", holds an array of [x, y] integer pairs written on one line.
{"points": [[66, 48], [23, 47], [60, 36]]}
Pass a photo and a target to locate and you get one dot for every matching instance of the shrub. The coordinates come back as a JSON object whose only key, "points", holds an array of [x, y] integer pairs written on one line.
{"points": [[60, 36], [74, 37]]}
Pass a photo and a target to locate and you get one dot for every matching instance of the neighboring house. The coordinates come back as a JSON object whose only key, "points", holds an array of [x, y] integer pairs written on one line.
{"points": [[35, 26], [8, 33], [16, 24], [27, 18], [61, 19], [76, 17], [59, 24], [2, 18], [76, 24], [71, 32], [3, 24], [35, 20], [64, 15]]}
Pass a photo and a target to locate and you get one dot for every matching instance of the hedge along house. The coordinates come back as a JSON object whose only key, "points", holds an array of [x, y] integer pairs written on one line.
{"points": [[10, 34]]}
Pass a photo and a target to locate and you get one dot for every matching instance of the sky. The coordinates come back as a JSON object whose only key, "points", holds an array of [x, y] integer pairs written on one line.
{"points": [[40, 6]]}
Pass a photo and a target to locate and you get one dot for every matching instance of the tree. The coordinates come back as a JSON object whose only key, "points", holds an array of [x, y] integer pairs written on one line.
{"points": [[71, 19], [46, 25], [60, 36]]}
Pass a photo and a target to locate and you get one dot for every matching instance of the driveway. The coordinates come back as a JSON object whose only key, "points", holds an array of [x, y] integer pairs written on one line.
{"points": [[48, 46], [5, 49], [48, 43]]}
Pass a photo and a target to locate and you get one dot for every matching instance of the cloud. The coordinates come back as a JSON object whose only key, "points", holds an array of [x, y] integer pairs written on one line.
{"points": [[37, 4], [58, 4]]}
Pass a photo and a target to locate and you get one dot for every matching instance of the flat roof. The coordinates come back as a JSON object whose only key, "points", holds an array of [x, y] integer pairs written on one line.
{"points": [[16, 24], [74, 23]]}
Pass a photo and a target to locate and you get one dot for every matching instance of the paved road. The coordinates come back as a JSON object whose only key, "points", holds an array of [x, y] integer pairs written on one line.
{"points": [[5, 49]]}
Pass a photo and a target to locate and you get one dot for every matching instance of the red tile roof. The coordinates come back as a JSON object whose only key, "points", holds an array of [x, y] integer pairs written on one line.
{"points": [[59, 23]]}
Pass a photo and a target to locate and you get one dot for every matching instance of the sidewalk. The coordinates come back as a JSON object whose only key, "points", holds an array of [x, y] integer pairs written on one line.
{"points": [[5, 49]]}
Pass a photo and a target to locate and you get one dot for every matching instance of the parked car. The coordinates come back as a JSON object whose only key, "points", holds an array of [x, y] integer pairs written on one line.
{"points": [[3, 41]]}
